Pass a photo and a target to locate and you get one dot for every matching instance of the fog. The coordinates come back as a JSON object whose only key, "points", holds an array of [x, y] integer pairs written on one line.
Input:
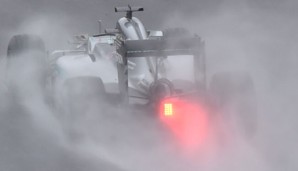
{"points": [[257, 36]]}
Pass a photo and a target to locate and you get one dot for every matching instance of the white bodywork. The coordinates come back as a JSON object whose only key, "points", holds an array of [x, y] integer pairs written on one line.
{"points": [[77, 63]]}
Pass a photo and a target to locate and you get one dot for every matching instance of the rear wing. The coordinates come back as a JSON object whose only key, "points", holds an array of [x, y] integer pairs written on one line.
{"points": [[158, 48]]}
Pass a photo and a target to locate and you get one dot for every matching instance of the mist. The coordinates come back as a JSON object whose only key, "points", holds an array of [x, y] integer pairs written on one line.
{"points": [[256, 36]]}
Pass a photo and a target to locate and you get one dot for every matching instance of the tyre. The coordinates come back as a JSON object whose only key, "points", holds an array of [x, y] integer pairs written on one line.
{"points": [[234, 97], [26, 68], [22, 43], [84, 99]]}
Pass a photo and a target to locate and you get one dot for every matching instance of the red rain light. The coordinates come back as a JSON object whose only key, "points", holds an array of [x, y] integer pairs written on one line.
{"points": [[168, 109], [186, 120]]}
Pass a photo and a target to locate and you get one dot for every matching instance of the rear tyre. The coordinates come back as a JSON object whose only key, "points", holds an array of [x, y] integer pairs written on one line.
{"points": [[26, 63], [84, 100], [235, 99], [22, 43]]}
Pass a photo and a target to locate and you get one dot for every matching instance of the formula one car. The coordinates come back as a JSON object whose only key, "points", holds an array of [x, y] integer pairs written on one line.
{"points": [[160, 71]]}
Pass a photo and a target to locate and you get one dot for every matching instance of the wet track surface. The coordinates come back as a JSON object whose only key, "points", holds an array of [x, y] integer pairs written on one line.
{"points": [[118, 141], [27, 145], [33, 139]]}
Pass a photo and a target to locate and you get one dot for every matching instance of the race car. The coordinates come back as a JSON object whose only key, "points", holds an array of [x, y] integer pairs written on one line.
{"points": [[163, 72]]}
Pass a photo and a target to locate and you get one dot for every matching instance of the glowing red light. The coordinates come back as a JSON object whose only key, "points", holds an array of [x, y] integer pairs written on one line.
{"points": [[186, 120], [168, 109]]}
